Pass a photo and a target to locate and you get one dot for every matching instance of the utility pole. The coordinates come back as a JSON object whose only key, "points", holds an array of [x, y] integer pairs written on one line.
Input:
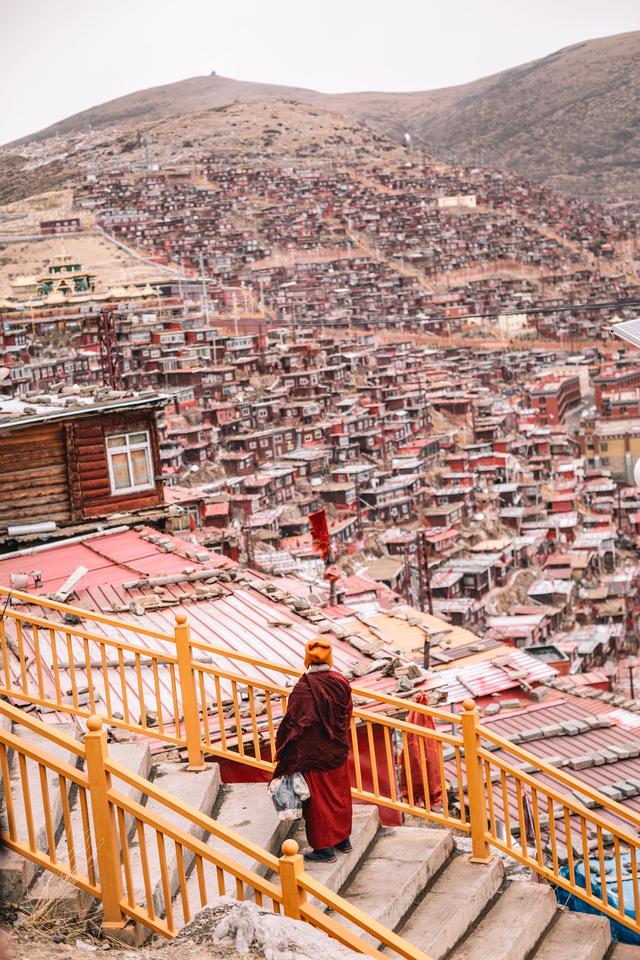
{"points": [[359, 526], [109, 350], [205, 294], [235, 314], [406, 575], [620, 507], [248, 544], [424, 574], [180, 279]]}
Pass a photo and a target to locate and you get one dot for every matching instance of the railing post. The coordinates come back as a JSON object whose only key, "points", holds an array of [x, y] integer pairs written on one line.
{"points": [[475, 788], [291, 866], [188, 694], [104, 826]]}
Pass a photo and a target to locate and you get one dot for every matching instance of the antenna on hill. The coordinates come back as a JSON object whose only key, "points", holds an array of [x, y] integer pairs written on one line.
{"points": [[234, 312], [148, 158], [205, 295], [93, 165]]}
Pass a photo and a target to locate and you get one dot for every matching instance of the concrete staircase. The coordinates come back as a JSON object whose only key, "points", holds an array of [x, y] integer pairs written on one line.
{"points": [[416, 882], [412, 879]]}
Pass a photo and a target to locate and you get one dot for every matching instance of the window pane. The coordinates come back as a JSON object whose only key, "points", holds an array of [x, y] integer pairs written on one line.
{"points": [[120, 467], [116, 441], [138, 437], [140, 467]]}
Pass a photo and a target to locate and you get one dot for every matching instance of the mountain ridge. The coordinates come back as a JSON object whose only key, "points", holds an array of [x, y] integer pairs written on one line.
{"points": [[570, 119]]}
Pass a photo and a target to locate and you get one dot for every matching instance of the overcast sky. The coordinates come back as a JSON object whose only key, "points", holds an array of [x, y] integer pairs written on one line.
{"points": [[58, 57]]}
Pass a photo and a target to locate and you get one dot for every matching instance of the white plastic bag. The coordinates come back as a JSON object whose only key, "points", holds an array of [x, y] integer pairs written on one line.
{"points": [[288, 793]]}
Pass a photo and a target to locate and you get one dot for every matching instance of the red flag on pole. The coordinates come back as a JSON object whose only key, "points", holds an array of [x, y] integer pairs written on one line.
{"points": [[320, 533]]}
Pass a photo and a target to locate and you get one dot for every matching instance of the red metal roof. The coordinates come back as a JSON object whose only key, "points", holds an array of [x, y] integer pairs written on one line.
{"points": [[241, 620]]}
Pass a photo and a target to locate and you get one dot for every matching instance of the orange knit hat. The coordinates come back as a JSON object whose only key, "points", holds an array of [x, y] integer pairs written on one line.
{"points": [[318, 650]]}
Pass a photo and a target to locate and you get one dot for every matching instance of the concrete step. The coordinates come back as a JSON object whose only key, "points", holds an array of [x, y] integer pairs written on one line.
{"points": [[62, 897], [396, 871], [575, 936], [198, 790], [452, 905], [624, 951], [366, 824], [17, 872], [247, 809], [512, 927], [136, 756]]}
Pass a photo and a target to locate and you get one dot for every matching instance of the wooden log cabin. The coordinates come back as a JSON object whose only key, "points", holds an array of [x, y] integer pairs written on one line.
{"points": [[69, 464]]}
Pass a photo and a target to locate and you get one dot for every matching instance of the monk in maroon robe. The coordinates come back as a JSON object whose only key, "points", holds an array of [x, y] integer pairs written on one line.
{"points": [[314, 738]]}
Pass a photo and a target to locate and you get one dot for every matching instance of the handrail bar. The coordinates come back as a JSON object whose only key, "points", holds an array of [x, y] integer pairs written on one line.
{"points": [[574, 806], [132, 779], [74, 631], [35, 753], [45, 730], [318, 918], [200, 847], [80, 612], [556, 773], [396, 724], [194, 816], [152, 732]]}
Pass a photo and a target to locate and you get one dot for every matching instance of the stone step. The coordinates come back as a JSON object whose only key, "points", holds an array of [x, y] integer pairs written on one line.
{"points": [[198, 790], [512, 927], [62, 896], [452, 905], [135, 756], [17, 872], [395, 873], [624, 951], [247, 809], [366, 824], [575, 936]]}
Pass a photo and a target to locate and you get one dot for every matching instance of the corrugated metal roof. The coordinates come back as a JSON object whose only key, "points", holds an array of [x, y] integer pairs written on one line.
{"points": [[242, 620]]}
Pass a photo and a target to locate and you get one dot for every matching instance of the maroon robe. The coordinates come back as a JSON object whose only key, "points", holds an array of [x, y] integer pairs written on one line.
{"points": [[314, 738]]}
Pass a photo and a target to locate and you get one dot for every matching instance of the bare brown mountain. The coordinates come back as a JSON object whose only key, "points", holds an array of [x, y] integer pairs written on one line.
{"points": [[571, 119]]}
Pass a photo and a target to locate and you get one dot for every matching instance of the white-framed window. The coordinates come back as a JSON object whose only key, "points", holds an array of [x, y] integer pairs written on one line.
{"points": [[129, 459]]}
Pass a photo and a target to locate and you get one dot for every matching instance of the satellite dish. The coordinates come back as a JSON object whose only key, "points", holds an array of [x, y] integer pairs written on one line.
{"points": [[636, 473]]}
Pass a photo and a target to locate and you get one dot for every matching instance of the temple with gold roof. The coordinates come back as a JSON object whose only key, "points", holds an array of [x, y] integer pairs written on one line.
{"points": [[65, 282], [64, 278]]}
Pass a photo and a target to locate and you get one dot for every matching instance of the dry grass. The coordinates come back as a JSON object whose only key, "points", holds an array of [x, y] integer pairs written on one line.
{"points": [[52, 917]]}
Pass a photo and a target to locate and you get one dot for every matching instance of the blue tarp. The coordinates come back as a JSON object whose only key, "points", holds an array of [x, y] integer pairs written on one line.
{"points": [[618, 931]]}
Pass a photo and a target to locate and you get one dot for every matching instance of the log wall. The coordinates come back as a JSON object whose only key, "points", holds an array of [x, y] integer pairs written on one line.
{"points": [[34, 480], [89, 473]]}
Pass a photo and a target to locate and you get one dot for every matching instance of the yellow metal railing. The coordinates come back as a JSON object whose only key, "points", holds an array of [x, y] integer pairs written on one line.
{"points": [[170, 693], [213, 701], [543, 809], [96, 851]]}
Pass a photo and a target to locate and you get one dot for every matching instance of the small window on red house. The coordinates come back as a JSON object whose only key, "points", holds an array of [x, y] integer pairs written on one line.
{"points": [[129, 458]]}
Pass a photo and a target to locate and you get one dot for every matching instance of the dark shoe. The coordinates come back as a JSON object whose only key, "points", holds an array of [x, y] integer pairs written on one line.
{"points": [[344, 846], [321, 856]]}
